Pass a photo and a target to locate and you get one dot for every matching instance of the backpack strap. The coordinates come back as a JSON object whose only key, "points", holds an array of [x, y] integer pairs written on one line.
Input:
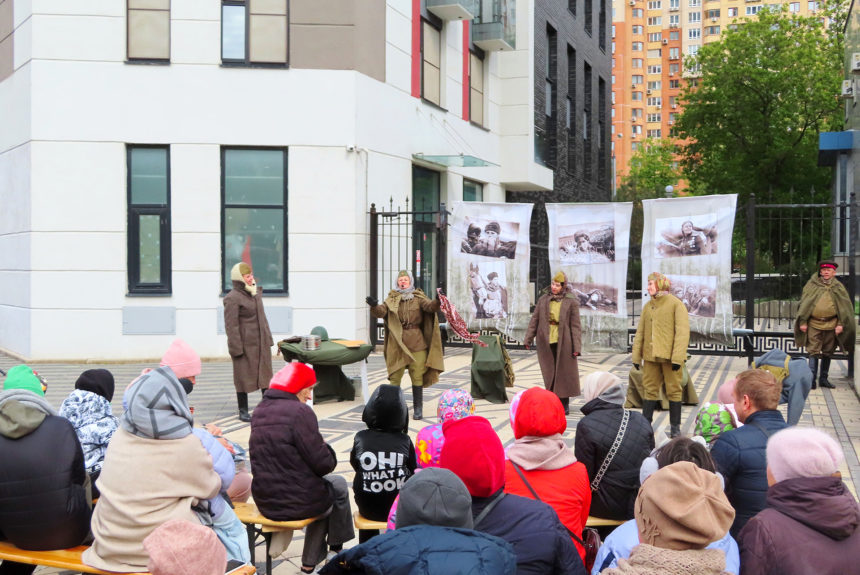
{"points": [[488, 508], [529, 485]]}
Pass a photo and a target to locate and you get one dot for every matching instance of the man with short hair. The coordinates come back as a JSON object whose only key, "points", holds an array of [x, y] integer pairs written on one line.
{"points": [[740, 453], [825, 318]]}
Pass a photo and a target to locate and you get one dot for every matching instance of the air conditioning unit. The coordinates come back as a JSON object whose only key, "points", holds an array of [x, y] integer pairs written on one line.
{"points": [[674, 106], [671, 74], [620, 135], [665, 41], [648, 92], [633, 86], [671, 122], [847, 88], [673, 9], [855, 62], [673, 25], [714, 19], [633, 135]]}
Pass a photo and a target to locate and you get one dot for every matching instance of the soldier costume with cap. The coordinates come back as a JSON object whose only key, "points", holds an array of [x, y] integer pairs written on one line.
{"points": [[556, 328], [660, 348], [413, 340], [827, 315], [249, 339]]}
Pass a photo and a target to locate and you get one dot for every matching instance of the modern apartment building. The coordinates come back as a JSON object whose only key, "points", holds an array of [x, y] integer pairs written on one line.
{"points": [[148, 145], [650, 40]]}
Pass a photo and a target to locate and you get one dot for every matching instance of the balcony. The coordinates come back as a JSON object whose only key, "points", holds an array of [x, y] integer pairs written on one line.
{"points": [[454, 9], [495, 28]]}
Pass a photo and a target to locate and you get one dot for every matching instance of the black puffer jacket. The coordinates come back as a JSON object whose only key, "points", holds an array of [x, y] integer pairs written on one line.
{"points": [[595, 434], [289, 459], [43, 503], [382, 456]]}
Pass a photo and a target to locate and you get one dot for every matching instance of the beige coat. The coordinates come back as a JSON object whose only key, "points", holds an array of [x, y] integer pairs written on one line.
{"points": [[663, 333], [145, 482], [561, 375], [249, 339]]}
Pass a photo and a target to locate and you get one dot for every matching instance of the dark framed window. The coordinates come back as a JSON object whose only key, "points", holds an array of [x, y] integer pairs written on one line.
{"points": [[148, 185], [148, 30], [570, 121], [476, 87], [255, 32], [473, 191], [431, 62], [254, 215]]}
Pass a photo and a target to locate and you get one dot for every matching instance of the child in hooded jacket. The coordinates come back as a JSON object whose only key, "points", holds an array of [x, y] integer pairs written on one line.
{"points": [[88, 409], [382, 455]]}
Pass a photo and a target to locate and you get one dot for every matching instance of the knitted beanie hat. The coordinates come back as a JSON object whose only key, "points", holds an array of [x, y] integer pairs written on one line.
{"points": [[240, 270], [434, 497], [294, 377], [661, 281], [474, 452], [726, 392], [184, 547], [540, 414], [428, 446], [22, 377], [682, 506], [796, 452], [493, 227], [183, 360], [455, 404], [98, 381]]}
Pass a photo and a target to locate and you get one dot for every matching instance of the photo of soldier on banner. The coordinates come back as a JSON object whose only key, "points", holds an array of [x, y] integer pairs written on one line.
{"points": [[689, 240], [590, 244], [488, 265]]}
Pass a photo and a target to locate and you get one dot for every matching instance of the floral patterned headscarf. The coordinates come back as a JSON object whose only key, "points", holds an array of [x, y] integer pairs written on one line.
{"points": [[712, 420], [662, 282], [455, 404]]}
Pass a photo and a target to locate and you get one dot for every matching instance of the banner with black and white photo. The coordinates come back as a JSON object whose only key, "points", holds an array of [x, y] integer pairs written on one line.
{"points": [[488, 265], [590, 244], [689, 240]]}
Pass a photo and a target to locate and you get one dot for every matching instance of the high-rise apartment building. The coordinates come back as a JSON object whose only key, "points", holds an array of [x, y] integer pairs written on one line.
{"points": [[650, 41]]}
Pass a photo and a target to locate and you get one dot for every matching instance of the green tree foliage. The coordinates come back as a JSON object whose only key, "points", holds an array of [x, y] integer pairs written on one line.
{"points": [[767, 88]]}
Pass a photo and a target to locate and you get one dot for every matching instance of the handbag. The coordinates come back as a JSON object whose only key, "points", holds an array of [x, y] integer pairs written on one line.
{"points": [[590, 539], [607, 461]]}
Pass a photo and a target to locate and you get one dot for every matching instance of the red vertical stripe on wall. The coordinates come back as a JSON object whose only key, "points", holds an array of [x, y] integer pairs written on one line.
{"points": [[466, 86], [416, 48]]}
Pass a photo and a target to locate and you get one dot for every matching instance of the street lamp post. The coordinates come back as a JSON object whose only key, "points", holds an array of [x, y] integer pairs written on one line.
{"points": [[670, 191]]}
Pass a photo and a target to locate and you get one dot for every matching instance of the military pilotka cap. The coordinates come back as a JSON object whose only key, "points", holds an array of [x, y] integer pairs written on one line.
{"points": [[827, 264]]}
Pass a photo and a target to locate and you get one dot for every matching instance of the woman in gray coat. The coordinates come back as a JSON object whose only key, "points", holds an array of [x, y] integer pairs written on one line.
{"points": [[249, 339]]}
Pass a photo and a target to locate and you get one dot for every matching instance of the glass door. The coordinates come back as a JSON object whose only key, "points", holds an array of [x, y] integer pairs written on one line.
{"points": [[425, 235]]}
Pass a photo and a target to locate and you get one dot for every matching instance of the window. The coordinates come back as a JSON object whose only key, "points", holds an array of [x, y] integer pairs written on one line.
{"points": [[636, 113], [654, 4], [254, 214], [655, 69], [714, 13], [473, 191], [794, 7], [655, 53], [549, 72], [674, 20], [571, 109], [431, 57], [694, 33], [637, 13], [674, 35], [476, 89], [674, 53], [637, 29], [636, 62], [732, 12], [694, 3], [674, 5], [587, 88], [753, 10], [148, 219], [693, 17], [254, 32], [692, 49], [812, 5], [637, 46], [587, 16], [654, 37], [655, 101], [637, 79], [613, 31], [656, 117], [636, 129], [674, 84], [653, 133], [148, 29], [712, 31], [571, 5], [655, 21], [674, 69], [634, 146], [654, 85], [635, 96]]}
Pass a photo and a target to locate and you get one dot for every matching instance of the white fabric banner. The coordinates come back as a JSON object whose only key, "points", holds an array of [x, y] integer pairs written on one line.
{"points": [[590, 244], [689, 240], [488, 265]]}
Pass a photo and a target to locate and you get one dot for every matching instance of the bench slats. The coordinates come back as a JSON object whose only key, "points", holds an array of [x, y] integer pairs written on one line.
{"points": [[69, 559]]}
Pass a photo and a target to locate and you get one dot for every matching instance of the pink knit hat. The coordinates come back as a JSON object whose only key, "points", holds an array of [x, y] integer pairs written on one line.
{"points": [[185, 547], [726, 392], [802, 452], [183, 360]]}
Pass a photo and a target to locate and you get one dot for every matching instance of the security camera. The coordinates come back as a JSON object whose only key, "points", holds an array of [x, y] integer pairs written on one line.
{"points": [[350, 147]]}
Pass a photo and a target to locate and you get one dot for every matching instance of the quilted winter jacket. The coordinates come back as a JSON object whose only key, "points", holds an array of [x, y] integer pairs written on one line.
{"points": [[289, 458], [595, 434], [663, 332], [740, 457], [427, 550], [94, 424], [222, 463]]}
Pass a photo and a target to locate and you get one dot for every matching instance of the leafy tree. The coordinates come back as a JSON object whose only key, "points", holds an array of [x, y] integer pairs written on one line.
{"points": [[767, 88]]}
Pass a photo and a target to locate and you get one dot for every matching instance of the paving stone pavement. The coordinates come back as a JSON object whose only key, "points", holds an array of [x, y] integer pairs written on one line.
{"points": [[836, 411]]}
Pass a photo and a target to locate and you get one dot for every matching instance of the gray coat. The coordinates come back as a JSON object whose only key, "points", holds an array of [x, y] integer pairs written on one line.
{"points": [[249, 339]]}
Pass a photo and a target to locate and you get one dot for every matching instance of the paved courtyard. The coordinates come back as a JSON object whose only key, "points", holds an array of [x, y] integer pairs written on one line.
{"points": [[836, 411]]}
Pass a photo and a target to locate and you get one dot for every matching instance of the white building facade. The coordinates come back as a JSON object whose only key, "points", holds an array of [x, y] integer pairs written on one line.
{"points": [[147, 145]]}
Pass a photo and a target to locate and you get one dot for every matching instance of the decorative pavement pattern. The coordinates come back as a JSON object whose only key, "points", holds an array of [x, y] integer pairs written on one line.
{"points": [[214, 400]]}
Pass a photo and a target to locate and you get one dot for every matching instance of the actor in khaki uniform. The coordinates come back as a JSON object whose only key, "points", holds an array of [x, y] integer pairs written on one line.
{"points": [[825, 318], [412, 337], [660, 347]]}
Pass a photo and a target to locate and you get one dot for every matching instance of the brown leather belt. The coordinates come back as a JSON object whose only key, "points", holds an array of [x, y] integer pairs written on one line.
{"points": [[411, 326], [824, 318]]}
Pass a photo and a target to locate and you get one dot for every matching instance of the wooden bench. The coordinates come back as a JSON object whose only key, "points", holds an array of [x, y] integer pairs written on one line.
{"points": [[364, 523], [251, 517], [69, 559], [600, 522]]}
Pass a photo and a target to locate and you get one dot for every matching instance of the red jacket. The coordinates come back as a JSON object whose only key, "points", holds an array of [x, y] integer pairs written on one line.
{"points": [[566, 490]]}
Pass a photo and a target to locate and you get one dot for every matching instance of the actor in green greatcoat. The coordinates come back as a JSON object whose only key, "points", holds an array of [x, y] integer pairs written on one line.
{"points": [[825, 318], [413, 341]]}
